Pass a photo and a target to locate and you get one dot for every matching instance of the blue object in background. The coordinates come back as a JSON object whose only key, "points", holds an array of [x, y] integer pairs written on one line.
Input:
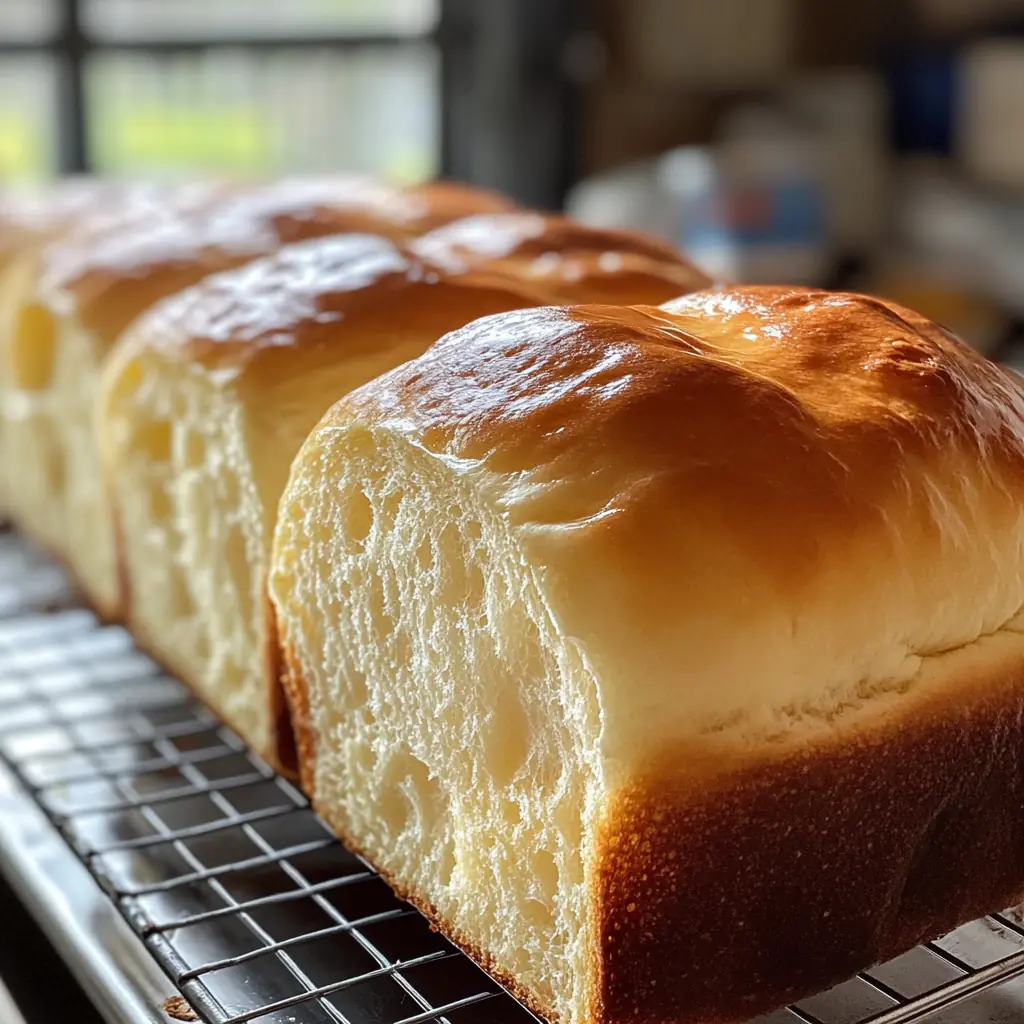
{"points": [[923, 90]]}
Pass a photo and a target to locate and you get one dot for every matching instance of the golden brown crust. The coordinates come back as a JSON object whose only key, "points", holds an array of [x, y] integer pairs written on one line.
{"points": [[783, 528], [574, 262], [348, 295], [281, 753], [296, 694], [439, 202], [722, 896], [839, 472], [113, 268]]}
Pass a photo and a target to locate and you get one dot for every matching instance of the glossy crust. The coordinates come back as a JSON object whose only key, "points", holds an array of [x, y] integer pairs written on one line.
{"points": [[575, 262], [29, 215], [787, 527], [114, 267], [313, 296], [440, 202], [777, 448]]}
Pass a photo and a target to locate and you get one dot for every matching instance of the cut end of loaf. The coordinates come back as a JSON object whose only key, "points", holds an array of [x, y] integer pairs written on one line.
{"points": [[53, 474], [191, 528], [454, 733]]}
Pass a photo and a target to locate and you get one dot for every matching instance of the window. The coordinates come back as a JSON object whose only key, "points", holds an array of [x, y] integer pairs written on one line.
{"points": [[168, 87]]}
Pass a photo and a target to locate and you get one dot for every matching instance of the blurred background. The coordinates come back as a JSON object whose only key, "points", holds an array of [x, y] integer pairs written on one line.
{"points": [[877, 143]]}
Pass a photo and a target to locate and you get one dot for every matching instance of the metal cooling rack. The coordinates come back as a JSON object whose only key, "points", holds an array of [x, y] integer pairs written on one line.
{"points": [[237, 890]]}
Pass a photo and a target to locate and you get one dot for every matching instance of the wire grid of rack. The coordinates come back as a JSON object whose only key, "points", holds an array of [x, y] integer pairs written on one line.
{"points": [[249, 905]]}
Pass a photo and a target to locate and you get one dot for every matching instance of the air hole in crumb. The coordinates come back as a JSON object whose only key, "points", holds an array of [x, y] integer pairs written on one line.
{"points": [[538, 914], [522, 961], [389, 508], [195, 450], [508, 736], [359, 693], [154, 440], [393, 808], [364, 759], [408, 791], [545, 873], [474, 531], [358, 520], [427, 795], [474, 585], [160, 507], [513, 812], [425, 556], [569, 825]]}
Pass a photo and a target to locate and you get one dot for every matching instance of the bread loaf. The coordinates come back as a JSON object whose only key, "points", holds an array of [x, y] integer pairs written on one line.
{"points": [[96, 281], [671, 659], [207, 400]]}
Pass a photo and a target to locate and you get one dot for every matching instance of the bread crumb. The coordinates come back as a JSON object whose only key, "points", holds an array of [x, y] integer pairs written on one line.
{"points": [[176, 1007]]}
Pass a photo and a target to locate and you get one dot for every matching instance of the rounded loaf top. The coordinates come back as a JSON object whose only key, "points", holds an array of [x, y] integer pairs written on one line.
{"points": [[350, 292], [113, 266], [575, 262], [780, 502]]}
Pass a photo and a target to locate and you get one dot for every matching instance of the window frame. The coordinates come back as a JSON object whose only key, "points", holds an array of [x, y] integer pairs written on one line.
{"points": [[503, 65]]}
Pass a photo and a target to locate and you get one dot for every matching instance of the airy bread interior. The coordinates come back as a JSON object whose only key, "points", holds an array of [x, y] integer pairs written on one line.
{"points": [[52, 470], [172, 436], [196, 466], [466, 764]]}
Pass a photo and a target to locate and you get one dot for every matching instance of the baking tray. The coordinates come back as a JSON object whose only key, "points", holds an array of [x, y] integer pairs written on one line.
{"points": [[162, 857]]}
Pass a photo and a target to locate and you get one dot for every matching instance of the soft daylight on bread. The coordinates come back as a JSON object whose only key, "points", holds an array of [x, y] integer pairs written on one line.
{"points": [[96, 281], [670, 659], [212, 396]]}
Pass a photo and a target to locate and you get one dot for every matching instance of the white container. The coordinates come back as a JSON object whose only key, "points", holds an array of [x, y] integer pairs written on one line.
{"points": [[774, 197], [990, 113], [848, 109]]}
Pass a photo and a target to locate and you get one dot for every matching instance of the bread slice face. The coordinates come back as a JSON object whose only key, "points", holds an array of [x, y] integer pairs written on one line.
{"points": [[669, 658], [203, 407], [445, 729]]}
